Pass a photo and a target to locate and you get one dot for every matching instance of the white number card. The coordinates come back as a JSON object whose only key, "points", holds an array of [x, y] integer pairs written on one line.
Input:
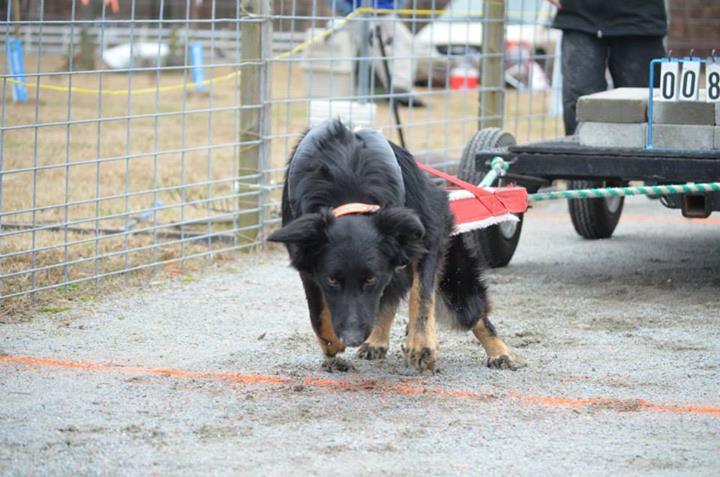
{"points": [[669, 80], [712, 80], [690, 84]]}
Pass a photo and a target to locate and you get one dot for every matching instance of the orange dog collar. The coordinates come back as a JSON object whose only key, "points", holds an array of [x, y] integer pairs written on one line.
{"points": [[355, 208]]}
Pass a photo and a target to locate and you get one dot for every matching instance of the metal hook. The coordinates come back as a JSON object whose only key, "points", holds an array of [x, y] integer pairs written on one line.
{"points": [[712, 55], [692, 52], [669, 54]]}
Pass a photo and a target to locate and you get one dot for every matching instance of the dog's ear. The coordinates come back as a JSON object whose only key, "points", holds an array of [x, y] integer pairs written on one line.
{"points": [[308, 230], [305, 238], [403, 234]]}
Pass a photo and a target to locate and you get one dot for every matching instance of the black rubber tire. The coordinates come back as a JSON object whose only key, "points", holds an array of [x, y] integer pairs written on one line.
{"points": [[594, 218], [484, 140], [496, 245]]}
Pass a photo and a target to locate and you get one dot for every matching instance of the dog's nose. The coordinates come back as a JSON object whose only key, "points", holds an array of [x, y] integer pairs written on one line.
{"points": [[353, 338]]}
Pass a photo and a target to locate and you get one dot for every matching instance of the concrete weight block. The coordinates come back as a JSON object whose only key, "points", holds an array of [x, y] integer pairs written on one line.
{"points": [[621, 135], [684, 112], [621, 105], [683, 136]]}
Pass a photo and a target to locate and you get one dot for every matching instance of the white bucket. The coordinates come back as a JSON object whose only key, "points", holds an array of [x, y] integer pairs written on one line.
{"points": [[352, 113]]}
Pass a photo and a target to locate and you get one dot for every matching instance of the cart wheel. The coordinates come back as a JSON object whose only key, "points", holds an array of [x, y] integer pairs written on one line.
{"points": [[497, 243], [595, 218]]}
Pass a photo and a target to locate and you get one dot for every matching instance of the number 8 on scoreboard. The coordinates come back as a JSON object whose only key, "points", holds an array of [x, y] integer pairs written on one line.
{"points": [[712, 80]]}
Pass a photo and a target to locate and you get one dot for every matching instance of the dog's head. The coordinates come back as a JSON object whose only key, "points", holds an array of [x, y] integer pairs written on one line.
{"points": [[352, 259]]}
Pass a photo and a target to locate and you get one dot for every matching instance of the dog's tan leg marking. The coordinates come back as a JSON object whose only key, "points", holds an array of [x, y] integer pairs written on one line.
{"points": [[421, 344], [377, 344], [329, 342], [499, 355]]}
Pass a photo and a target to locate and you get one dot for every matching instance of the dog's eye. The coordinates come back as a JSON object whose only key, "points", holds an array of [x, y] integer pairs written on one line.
{"points": [[333, 281], [370, 280]]}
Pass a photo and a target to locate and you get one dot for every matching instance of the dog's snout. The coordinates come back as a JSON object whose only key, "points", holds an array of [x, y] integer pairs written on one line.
{"points": [[353, 337]]}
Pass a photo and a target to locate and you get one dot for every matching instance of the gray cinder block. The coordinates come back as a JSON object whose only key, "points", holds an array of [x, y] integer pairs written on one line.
{"points": [[602, 134], [621, 105], [683, 136], [684, 112]]}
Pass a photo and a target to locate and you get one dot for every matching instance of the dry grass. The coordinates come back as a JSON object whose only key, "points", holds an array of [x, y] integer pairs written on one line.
{"points": [[94, 168]]}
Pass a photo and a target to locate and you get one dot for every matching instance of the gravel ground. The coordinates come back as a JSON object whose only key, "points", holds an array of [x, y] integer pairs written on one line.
{"points": [[222, 375]]}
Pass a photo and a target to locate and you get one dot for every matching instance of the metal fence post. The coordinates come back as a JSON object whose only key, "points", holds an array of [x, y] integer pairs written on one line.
{"points": [[364, 66], [255, 51], [492, 93]]}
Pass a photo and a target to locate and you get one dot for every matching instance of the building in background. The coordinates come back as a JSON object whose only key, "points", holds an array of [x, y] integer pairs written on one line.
{"points": [[694, 24]]}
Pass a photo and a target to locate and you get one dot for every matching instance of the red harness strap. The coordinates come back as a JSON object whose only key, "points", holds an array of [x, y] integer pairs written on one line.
{"points": [[486, 203], [475, 190]]}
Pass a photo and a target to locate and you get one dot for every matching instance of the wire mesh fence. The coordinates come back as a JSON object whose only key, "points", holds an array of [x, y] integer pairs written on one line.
{"points": [[138, 135]]}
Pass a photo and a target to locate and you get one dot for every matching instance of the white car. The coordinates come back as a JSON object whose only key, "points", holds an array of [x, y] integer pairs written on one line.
{"points": [[455, 37]]}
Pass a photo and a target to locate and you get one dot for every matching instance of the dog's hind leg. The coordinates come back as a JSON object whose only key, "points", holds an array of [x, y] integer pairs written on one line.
{"points": [[323, 327], [377, 344], [499, 355], [465, 295], [421, 344]]}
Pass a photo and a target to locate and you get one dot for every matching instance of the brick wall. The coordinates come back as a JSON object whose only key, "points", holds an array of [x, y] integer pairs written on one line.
{"points": [[694, 24]]}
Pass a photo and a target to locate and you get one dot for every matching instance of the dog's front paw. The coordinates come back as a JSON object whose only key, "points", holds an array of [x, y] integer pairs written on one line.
{"points": [[505, 361], [371, 352], [421, 357], [337, 365]]}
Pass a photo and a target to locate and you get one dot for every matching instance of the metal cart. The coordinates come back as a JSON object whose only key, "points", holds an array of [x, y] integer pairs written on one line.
{"points": [[536, 165]]}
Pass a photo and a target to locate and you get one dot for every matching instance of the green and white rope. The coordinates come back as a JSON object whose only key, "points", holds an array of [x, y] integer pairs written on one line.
{"points": [[656, 190], [499, 167]]}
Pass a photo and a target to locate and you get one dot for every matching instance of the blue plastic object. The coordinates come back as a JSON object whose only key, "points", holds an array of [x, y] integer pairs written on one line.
{"points": [[198, 69], [16, 65]]}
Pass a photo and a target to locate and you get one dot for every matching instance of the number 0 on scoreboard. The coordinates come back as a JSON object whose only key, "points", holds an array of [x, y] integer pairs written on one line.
{"points": [[690, 81], [669, 84]]}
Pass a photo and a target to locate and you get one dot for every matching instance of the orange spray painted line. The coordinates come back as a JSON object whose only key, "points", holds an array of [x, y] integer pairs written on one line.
{"points": [[373, 385], [132, 370]]}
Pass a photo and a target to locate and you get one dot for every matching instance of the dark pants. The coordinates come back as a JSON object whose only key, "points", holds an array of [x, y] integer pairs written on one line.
{"points": [[585, 56]]}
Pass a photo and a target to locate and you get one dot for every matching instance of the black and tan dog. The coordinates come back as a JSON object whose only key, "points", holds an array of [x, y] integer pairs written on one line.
{"points": [[363, 226]]}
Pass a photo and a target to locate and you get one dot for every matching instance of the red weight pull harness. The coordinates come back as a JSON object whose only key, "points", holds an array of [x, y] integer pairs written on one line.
{"points": [[473, 207], [479, 207]]}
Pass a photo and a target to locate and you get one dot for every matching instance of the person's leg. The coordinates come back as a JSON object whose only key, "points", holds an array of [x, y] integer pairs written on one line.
{"points": [[584, 58], [397, 40], [629, 59]]}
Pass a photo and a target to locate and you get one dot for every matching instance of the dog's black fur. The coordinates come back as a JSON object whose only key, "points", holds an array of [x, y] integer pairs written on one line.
{"points": [[358, 267]]}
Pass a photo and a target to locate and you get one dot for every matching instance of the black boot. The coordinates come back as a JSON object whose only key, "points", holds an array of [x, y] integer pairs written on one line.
{"points": [[405, 98]]}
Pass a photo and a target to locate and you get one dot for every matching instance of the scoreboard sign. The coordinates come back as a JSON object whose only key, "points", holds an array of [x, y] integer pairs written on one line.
{"points": [[680, 79]]}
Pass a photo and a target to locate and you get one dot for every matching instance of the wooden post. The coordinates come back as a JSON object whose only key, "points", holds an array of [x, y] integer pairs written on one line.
{"points": [[254, 87], [16, 18], [492, 75]]}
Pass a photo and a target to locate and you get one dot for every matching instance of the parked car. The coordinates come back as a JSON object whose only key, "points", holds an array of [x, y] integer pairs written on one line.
{"points": [[455, 37]]}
